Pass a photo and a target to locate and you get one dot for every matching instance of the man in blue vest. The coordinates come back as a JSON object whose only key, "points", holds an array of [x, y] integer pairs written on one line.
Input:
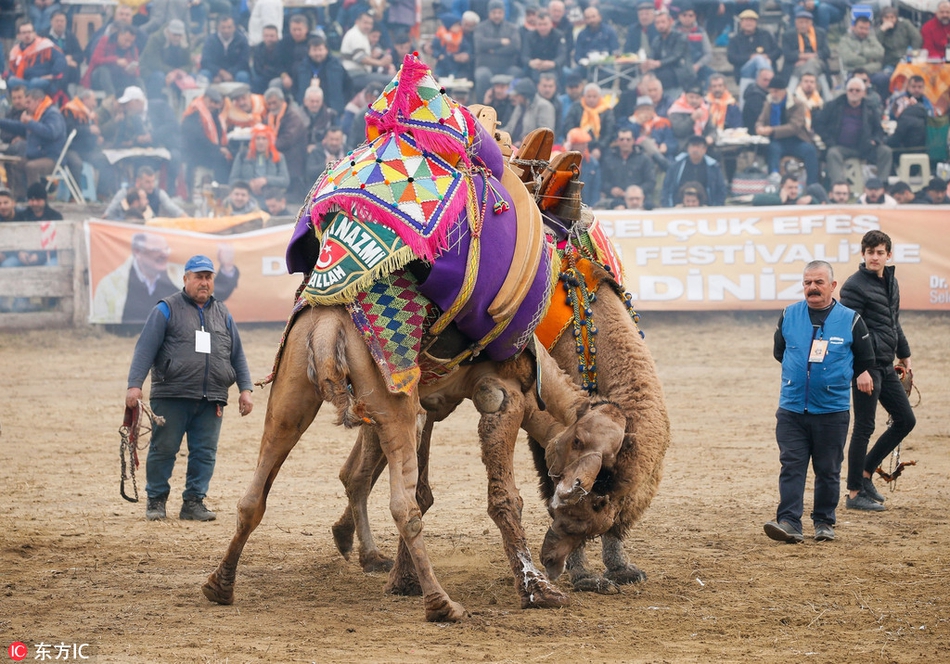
{"points": [[192, 347], [821, 344]]}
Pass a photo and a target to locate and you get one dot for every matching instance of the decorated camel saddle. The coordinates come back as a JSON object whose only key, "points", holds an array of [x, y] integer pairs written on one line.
{"points": [[423, 227], [587, 259]]}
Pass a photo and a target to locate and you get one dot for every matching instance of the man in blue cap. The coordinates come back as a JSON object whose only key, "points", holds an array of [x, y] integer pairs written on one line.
{"points": [[191, 345]]}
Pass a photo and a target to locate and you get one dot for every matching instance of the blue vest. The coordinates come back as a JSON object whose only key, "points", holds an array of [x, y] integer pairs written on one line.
{"points": [[817, 387]]}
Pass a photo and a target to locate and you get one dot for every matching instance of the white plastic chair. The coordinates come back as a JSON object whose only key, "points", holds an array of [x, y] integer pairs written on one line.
{"points": [[61, 173]]}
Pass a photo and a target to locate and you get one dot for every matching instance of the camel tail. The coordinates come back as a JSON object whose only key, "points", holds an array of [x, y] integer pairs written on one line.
{"points": [[329, 371]]}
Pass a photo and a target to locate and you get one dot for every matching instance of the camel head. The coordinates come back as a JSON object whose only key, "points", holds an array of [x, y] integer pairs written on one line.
{"points": [[581, 463], [584, 450]]}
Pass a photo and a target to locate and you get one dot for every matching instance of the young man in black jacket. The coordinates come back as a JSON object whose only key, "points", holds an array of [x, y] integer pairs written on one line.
{"points": [[872, 291]]}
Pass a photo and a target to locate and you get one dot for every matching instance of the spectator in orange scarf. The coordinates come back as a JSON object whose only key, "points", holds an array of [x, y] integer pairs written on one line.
{"points": [[593, 112], [35, 60], [260, 164], [723, 110], [203, 137]]}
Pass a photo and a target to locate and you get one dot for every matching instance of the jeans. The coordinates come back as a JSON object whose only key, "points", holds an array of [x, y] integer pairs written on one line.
{"points": [[820, 438], [795, 147], [198, 419], [889, 391]]}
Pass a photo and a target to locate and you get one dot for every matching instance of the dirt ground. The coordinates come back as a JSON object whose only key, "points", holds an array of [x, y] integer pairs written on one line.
{"points": [[80, 565]]}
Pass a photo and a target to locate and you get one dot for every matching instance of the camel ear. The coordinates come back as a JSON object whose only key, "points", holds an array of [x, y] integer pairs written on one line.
{"points": [[555, 454]]}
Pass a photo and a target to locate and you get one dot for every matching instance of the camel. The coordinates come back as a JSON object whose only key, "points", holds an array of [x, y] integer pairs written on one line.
{"points": [[391, 235], [325, 359], [599, 491], [592, 489]]}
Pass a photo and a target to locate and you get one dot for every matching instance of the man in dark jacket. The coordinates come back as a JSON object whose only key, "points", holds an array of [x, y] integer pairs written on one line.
{"points": [[43, 127], [67, 42], [290, 128], [641, 33], [269, 59], [334, 81], [544, 49], [668, 55], [226, 54], [203, 137], [935, 193], [751, 48], [873, 292], [191, 345], [851, 128], [497, 48], [625, 165], [753, 99], [805, 48], [694, 165]]}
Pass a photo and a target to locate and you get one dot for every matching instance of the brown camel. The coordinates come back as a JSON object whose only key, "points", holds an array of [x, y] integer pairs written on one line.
{"points": [[325, 359], [600, 490]]}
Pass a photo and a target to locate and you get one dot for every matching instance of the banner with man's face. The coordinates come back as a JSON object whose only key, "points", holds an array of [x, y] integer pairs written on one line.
{"points": [[132, 267]]}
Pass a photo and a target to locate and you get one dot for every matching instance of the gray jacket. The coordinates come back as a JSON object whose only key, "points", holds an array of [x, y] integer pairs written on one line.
{"points": [[489, 51]]}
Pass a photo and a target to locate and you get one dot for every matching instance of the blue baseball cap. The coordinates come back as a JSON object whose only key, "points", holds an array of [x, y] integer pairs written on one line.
{"points": [[199, 263]]}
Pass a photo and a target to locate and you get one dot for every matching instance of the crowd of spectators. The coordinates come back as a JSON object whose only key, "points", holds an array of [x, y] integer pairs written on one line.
{"points": [[259, 97]]}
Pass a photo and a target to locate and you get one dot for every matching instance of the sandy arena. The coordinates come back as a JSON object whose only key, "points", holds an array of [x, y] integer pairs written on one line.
{"points": [[80, 565]]}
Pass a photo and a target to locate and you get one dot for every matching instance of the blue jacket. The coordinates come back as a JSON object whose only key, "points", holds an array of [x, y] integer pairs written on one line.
{"points": [[44, 138], [715, 182], [811, 387], [214, 57]]}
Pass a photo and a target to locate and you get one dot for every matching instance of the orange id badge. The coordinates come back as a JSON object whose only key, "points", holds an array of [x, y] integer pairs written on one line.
{"points": [[819, 347]]}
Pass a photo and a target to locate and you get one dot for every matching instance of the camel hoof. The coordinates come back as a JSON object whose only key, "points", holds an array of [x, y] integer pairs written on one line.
{"points": [[439, 608], [343, 538], [626, 575], [375, 562], [217, 593], [547, 597], [595, 584]]}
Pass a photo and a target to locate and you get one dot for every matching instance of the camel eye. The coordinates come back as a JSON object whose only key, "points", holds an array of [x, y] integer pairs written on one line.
{"points": [[577, 444]]}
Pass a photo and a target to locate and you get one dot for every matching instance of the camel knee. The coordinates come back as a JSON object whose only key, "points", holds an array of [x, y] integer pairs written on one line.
{"points": [[490, 396], [502, 506]]}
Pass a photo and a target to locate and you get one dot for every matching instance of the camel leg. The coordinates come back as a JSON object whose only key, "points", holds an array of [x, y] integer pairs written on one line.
{"points": [[402, 577], [359, 474], [291, 408], [397, 440], [619, 569], [583, 579], [501, 405]]}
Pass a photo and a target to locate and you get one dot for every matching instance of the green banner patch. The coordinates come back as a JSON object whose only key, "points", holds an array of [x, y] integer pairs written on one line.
{"points": [[353, 254]]}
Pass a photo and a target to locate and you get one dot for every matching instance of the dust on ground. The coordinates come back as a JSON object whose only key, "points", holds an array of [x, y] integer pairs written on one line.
{"points": [[80, 565]]}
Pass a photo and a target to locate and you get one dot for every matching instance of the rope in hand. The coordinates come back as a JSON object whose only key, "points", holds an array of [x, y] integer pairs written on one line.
{"points": [[132, 433], [897, 466]]}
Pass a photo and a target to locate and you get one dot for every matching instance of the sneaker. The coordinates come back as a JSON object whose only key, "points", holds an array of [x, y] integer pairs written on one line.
{"points": [[862, 502], [195, 510], [783, 531], [824, 532], [867, 488], [155, 509]]}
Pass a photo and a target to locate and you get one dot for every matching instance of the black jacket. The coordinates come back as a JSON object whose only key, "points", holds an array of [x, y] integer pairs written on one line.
{"points": [[828, 125], [878, 300], [636, 169], [742, 46]]}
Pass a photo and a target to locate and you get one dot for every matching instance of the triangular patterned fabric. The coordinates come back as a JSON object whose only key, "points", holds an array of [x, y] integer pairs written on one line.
{"points": [[388, 181], [413, 101]]}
